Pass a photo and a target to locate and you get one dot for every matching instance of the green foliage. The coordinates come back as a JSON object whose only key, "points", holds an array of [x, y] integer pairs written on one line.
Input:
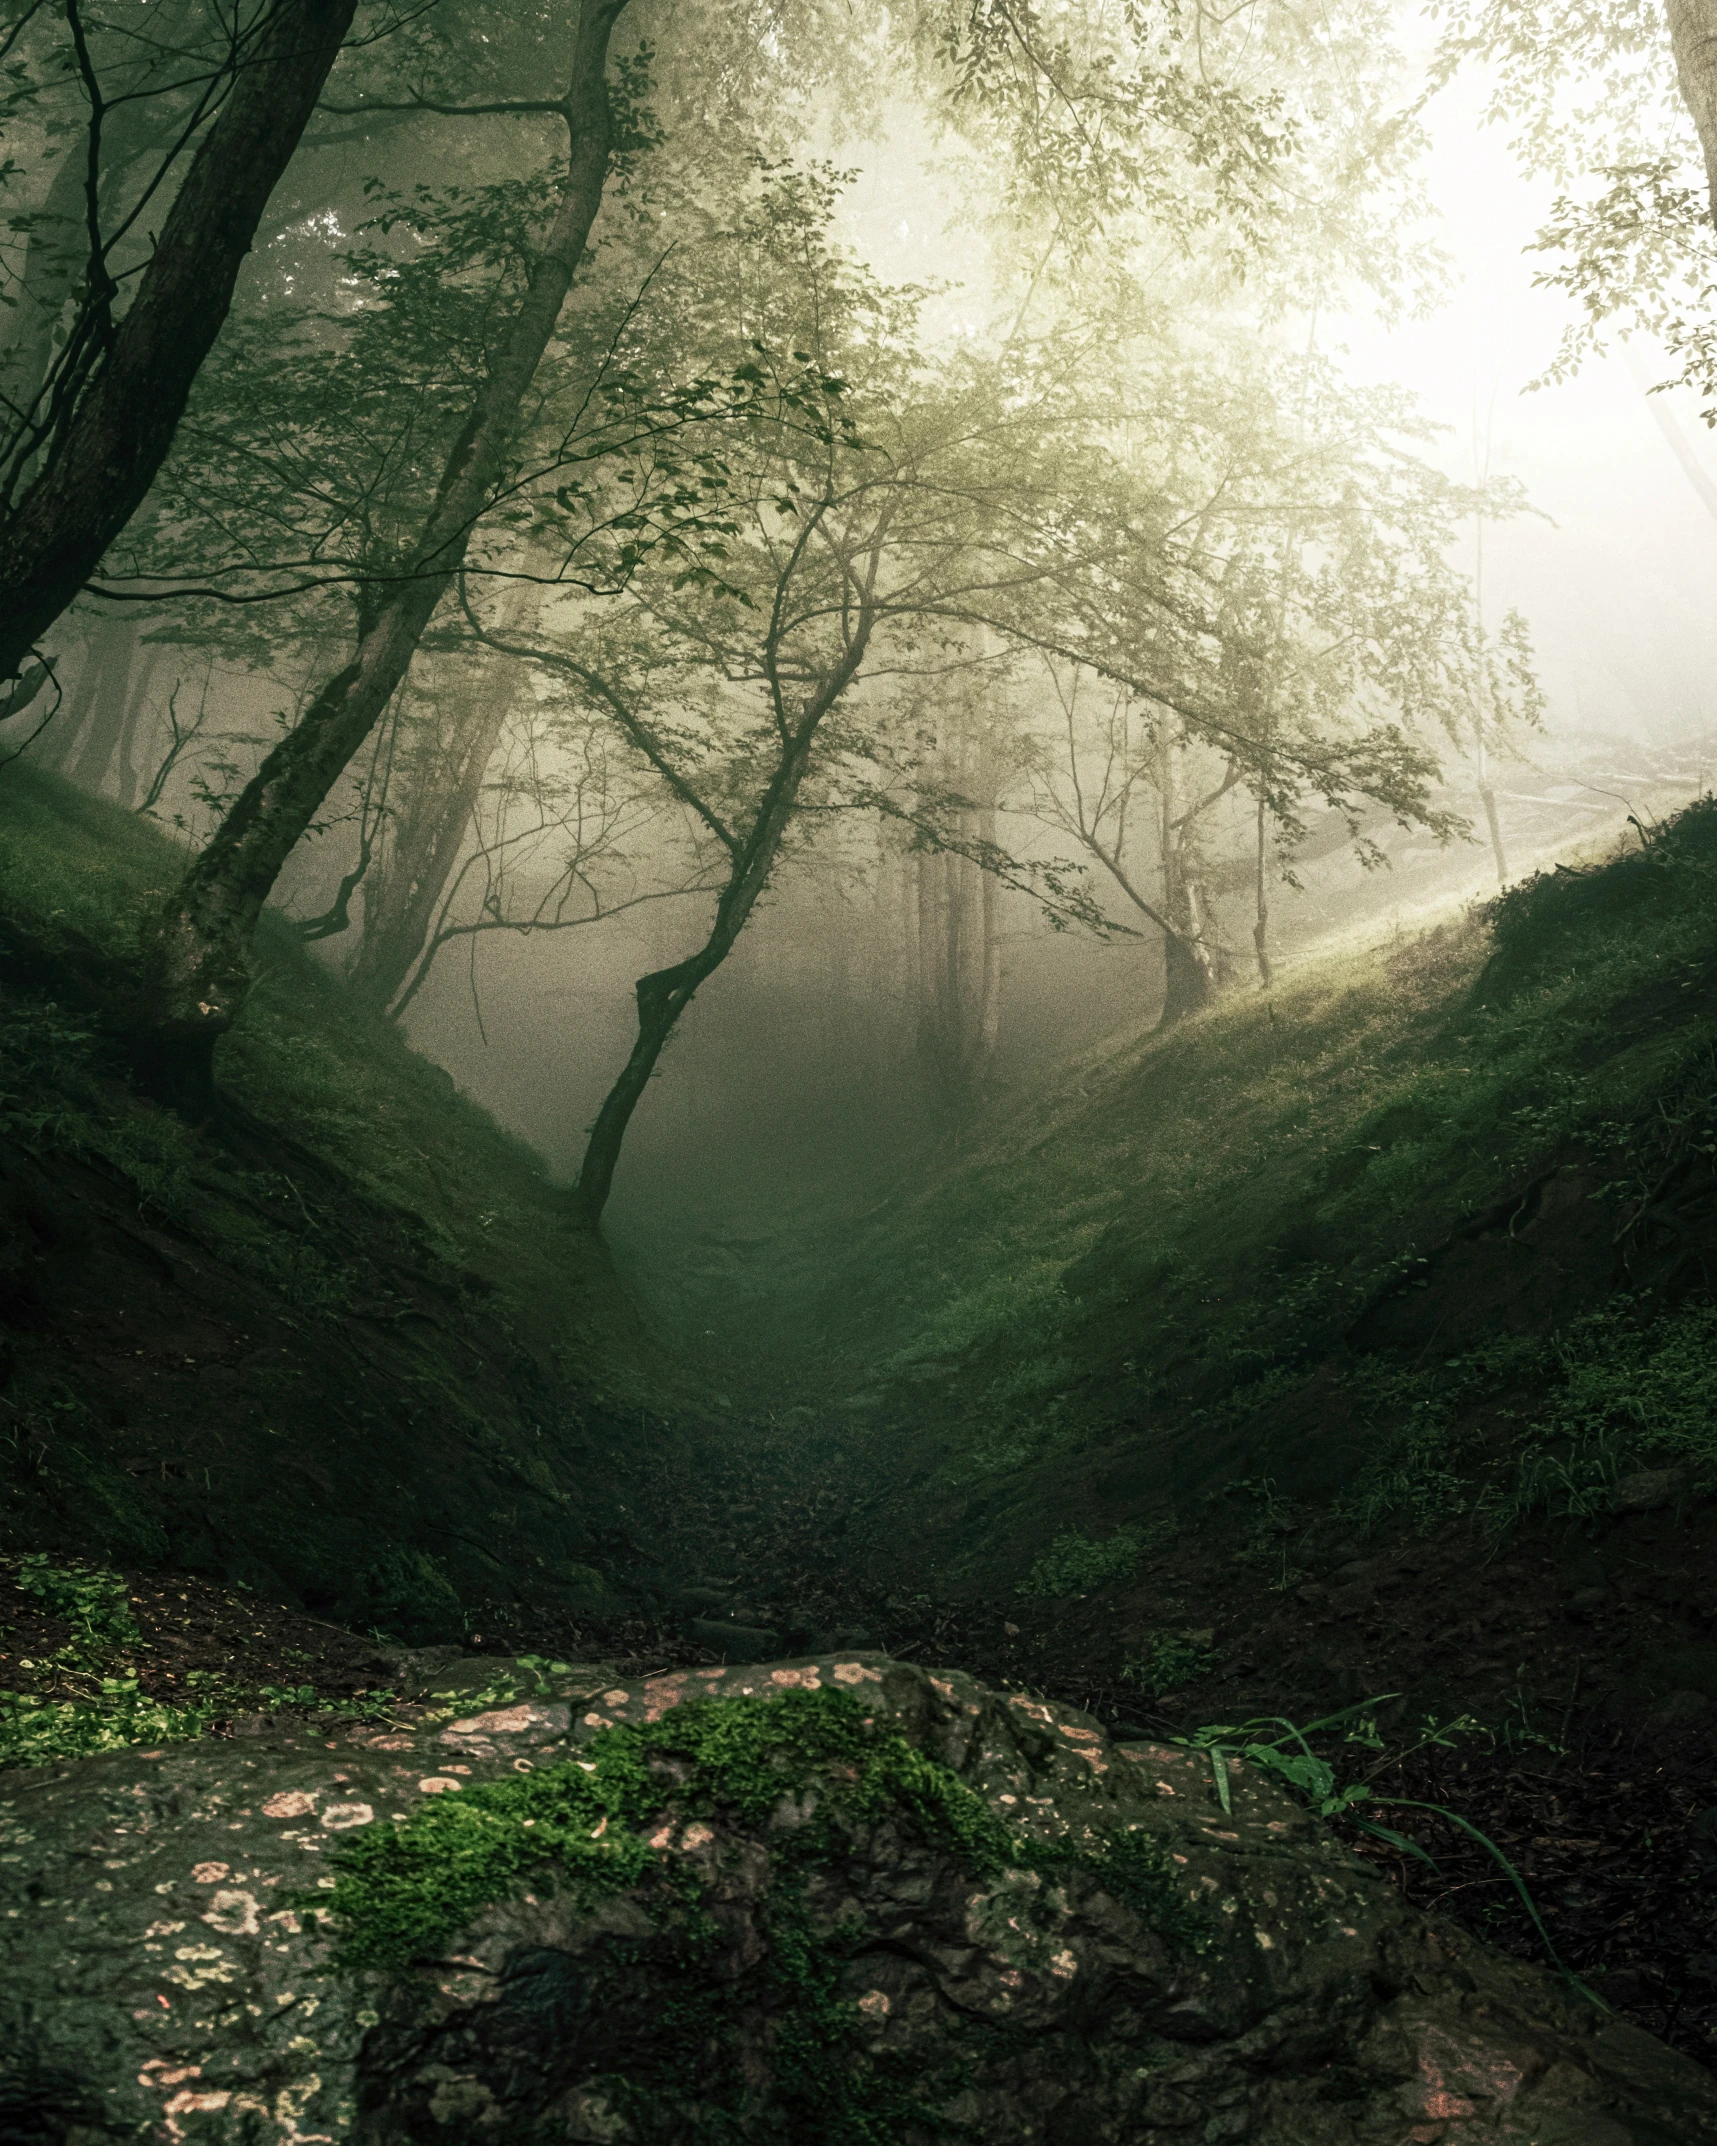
{"points": [[89, 1697], [1290, 1758], [86, 1596], [37, 1731], [1634, 1394], [1074, 1563], [1170, 1661]]}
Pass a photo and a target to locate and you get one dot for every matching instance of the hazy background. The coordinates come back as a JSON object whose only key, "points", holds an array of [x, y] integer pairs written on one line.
{"points": [[793, 1083]]}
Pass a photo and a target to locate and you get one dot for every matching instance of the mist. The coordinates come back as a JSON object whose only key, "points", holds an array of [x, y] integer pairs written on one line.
{"points": [[858, 1071]]}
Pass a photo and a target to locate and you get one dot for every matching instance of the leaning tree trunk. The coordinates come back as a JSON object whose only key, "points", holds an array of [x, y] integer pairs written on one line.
{"points": [[1693, 40], [101, 462], [198, 968], [665, 995]]}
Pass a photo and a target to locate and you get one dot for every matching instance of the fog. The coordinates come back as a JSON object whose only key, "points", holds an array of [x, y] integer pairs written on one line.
{"points": [[792, 1090], [805, 1079]]}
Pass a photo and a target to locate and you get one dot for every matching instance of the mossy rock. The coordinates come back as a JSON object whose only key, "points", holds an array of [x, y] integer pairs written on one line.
{"points": [[833, 1902]]}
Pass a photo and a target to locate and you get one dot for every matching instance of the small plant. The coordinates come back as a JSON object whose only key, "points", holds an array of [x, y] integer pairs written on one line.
{"points": [[1074, 1563], [88, 1597], [36, 1730], [1290, 1758], [1171, 1661]]}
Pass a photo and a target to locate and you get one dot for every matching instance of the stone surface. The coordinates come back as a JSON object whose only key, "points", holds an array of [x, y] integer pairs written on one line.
{"points": [[157, 1984], [1648, 1491]]}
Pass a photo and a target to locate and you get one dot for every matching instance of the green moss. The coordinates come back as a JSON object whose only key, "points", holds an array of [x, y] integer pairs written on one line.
{"points": [[578, 1823], [580, 1828]]}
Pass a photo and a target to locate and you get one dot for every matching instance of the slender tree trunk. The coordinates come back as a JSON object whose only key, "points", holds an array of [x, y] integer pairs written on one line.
{"points": [[128, 782], [1481, 750], [959, 1000], [443, 784], [1261, 918], [1488, 795], [57, 744], [665, 995], [989, 1023], [200, 956], [1189, 968], [1693, 40], [101, 463]]}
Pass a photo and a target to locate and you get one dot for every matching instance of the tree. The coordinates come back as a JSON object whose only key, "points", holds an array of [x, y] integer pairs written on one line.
{"points": [[82, 450], [198, 948], [198, 973], [858, 524], [1640, 251], [1285, 622]]}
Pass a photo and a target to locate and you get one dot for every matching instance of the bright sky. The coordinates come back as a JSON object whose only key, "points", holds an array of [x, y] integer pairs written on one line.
{"points": [[1620, 584]]}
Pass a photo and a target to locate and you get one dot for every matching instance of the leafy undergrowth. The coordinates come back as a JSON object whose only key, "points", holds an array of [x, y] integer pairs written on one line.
{"points": [[90, 1663], [342, 1341]]}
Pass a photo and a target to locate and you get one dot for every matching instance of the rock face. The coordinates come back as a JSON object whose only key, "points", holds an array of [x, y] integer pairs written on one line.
{"points": [[841, 1900]]}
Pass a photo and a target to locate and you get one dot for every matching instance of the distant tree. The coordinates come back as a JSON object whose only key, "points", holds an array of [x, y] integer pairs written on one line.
{"points": [[1293, 629]]}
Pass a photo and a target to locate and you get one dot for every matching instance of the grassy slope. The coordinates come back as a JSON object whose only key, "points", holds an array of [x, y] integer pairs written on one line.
{"points": [[349, 1347], [1263, 1246]]}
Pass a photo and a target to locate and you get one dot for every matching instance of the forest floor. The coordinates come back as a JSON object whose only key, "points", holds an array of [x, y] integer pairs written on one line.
{"points": [[1208, 1388], [1604, 1807]]}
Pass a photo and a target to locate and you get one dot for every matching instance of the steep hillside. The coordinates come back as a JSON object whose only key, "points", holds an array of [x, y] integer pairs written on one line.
{"points": [[1400, 1237], [340, 1344], [1344, 1359]]}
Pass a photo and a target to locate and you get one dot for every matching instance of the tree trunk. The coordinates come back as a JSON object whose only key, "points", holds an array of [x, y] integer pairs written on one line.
{"points": [[1693, 40], [959, 964], [102, 462], [199, 966], [1187, 982], [89, 766], [444, 782], [1261, 913], [665, 995], [1190, 968]]}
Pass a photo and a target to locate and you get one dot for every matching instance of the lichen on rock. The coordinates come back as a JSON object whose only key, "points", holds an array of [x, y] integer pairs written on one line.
{"points": [[836, 1902]]}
